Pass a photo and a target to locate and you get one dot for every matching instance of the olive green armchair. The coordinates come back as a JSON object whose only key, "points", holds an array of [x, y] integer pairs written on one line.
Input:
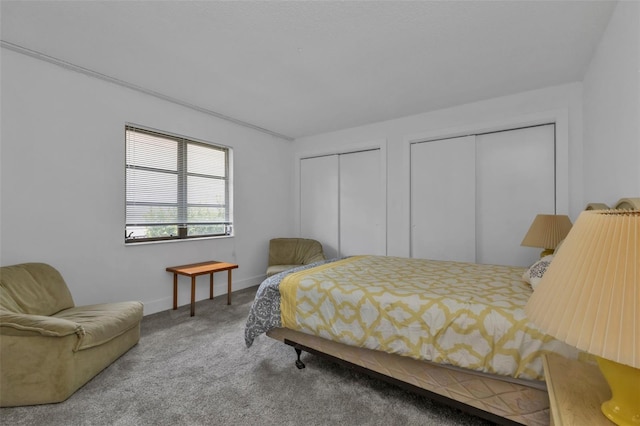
{"points": [[49, 347], [287, 253]]}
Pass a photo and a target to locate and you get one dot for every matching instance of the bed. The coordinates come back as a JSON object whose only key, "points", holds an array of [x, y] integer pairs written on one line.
{"points": [[397, 319]]}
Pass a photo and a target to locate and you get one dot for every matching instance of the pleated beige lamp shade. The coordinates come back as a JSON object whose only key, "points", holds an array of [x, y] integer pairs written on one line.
{"points": [[546, 231], [590, 295]]}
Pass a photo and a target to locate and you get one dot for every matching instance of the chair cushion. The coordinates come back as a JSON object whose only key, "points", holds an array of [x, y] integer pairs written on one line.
{"points": [[33, 288], [104, 321], [274, 269], [294, 251]]}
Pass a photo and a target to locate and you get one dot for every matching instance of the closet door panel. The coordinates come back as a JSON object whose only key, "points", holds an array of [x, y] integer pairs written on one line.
{"points": [[515, 180], [362, 204], [319, 179], [443, 199]]}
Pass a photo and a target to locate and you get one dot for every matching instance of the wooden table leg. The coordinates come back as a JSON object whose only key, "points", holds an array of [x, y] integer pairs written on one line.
{"points": [[229, 287], [211, 286], [175, 291], [193, 296]]}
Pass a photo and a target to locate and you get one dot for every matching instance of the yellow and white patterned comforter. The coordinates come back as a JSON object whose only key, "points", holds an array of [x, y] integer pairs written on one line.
{"points": [[463, 314]]}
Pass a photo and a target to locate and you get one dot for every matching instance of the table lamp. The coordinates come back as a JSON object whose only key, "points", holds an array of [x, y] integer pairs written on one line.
{"points": [[546, 231], [590, 298]]}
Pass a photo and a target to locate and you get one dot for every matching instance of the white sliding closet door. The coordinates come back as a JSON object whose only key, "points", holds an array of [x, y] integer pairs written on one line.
{"points": [[443, 199], [343, 203], [473, 198], [362, 204], [515, 182], [319, 179]]}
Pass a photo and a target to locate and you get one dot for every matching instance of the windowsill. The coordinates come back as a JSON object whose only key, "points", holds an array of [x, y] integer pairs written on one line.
{"points": [[182, 240]]}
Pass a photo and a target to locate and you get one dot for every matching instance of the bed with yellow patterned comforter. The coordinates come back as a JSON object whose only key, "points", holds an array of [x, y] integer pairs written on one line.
{"points": [[403, 318]]}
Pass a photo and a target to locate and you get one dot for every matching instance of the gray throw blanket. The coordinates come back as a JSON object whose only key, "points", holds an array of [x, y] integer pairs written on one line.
{"points": [[265, 311]]}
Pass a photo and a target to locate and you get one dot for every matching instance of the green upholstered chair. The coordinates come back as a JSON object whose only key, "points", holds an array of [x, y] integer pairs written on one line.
{"points": [[48, 346], [287, 253]]}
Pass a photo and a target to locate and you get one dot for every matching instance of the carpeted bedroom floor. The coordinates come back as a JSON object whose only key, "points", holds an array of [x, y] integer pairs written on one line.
{"points": [[197, 371]]}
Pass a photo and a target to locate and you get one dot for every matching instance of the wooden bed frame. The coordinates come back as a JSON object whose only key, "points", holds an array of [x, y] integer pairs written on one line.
{"points": [[502, 400]]}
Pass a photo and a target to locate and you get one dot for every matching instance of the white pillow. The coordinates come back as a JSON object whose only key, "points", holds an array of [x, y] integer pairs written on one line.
{"points": [[534, 274]]}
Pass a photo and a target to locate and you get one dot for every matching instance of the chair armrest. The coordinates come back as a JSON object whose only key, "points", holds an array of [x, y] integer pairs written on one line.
{"points": [[17, 324]]}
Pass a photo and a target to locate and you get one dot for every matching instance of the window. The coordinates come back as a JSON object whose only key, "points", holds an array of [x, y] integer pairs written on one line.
{"points": [[176, 188]]}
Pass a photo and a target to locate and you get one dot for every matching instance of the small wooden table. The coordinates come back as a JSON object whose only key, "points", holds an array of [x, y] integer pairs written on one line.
{"points": [[195, 269]]}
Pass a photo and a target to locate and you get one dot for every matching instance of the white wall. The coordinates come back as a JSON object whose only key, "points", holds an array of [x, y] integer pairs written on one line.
{"points": [[62, 186], [562, 104], [611, 91]]}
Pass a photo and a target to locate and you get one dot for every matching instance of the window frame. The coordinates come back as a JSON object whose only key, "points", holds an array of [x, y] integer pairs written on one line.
{"points": [[182, 204]]}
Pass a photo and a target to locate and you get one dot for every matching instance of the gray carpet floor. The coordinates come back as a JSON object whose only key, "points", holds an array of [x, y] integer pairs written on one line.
{"points": [[197, 371]]}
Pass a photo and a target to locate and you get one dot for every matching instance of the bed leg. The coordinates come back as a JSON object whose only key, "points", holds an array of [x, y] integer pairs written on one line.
{"points": [[299, 363]]}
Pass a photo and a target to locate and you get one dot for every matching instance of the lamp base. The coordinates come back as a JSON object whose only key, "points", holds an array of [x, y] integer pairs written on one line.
{"points": [[624, 406], [546, 252]]}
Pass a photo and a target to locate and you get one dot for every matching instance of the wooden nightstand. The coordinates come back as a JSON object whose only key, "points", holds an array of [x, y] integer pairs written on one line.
{"points": [[576, 391]]}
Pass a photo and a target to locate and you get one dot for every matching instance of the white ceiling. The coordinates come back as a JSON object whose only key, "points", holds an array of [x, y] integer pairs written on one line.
{"points": [[299, 68]]}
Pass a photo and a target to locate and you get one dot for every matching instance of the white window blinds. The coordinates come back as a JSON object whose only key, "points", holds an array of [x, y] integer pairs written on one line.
{"points": [[175, 187]]}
